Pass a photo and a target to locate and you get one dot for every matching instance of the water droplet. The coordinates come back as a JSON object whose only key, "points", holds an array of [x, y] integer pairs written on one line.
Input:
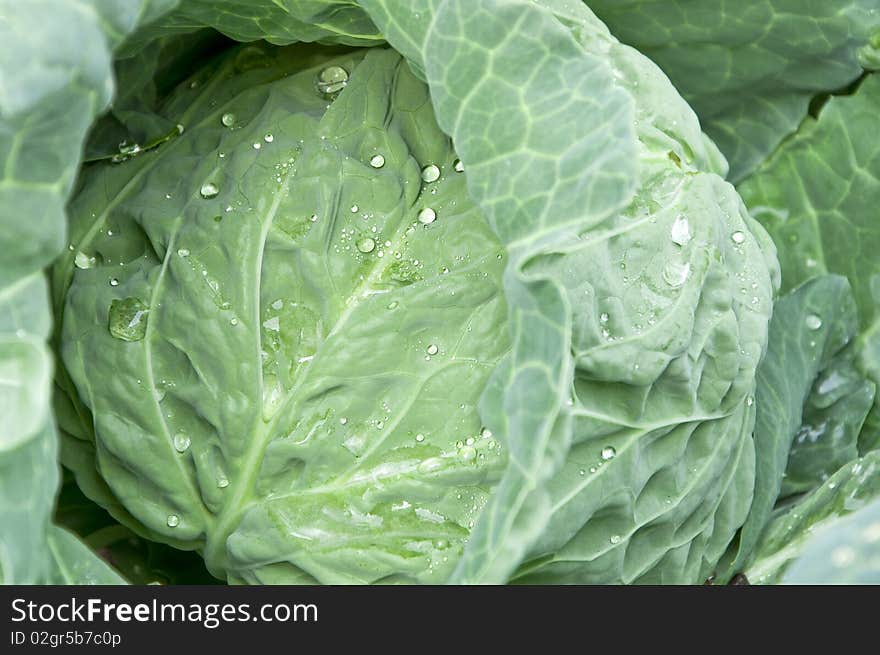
{"points": [[268, 138], [127, 150], [228, 119], [420, 437], [608, 453], [750, 401], [738, 237], [257, 145], [615, 539], [313, 218], [209, 190], [459, 167], [233, 321], [114, 282], [393, 305], [128, 319], [183, 252], [332, 80], [343, 421], [681, 231], [181, 442], [431, 173], [432, 349], [486, 433], [222, 482], [582, 472], [675, 274], [467, 453], [354, 209], [366, 245], [377, 161], [427, 216], [82, 260], [603, 318], [173, 520], [813, 322]]}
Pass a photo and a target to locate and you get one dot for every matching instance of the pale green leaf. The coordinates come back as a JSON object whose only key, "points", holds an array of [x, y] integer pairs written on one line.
{"points": [[749, 68], [790, 532]]}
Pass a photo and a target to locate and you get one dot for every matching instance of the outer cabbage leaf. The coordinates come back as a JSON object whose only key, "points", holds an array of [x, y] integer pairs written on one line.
{"points": [[834, 415], [281, 22], [817, 198], [852, 487], [300, 403], [73, 563], [847, 551], [648, 267], [809, 333], [54, 78], [137, 560], [749, 68]]}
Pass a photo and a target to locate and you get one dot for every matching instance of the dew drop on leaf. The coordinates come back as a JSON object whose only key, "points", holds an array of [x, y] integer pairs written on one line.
{"points": [[82, 260], [431, 173], [608, 452], [173, 520], [181, 442], [268, 138], [366, 245], [681, 231], [128, 319], [738, 237], [377, 161], [432, 349], [332, 80], [228, 119], [675, 274], [813, 322], [209, 190], [427, 216], [459, 166]]}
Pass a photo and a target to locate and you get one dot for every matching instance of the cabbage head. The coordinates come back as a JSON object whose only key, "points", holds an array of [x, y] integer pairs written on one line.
{"points": [[365, 315]]}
